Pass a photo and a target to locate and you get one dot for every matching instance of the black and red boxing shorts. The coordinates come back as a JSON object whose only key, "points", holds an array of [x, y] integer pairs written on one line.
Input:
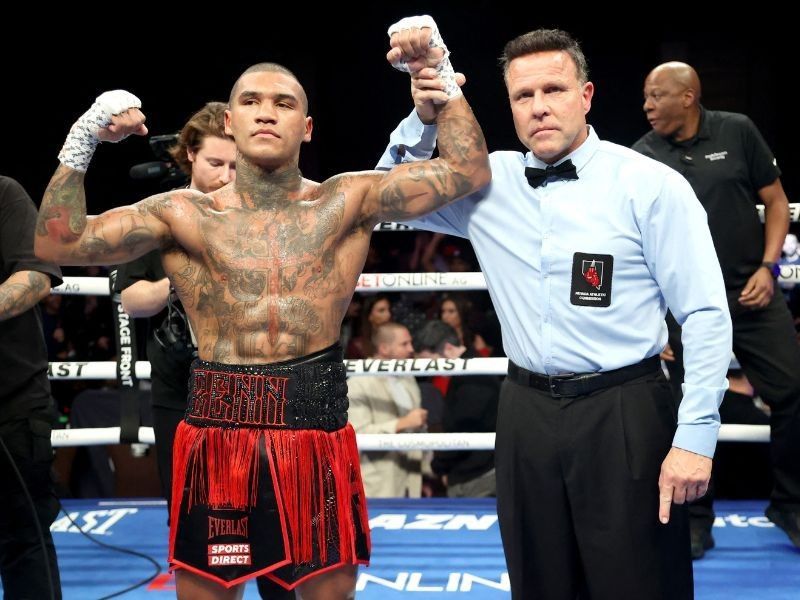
{"points": [[266, 477]]}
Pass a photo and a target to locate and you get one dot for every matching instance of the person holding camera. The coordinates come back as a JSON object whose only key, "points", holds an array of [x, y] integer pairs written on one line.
{"points": [[207, 156]]}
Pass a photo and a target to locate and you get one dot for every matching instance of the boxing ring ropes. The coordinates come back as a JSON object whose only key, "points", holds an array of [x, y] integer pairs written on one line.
{"points": [[367, 282]]}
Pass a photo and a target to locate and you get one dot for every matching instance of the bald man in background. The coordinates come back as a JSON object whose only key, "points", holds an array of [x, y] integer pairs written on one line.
{"points": [[389, 404], [731, 169]]}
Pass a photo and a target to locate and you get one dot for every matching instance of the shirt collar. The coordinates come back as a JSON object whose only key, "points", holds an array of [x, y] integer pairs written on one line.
{"points": [[580, 157]]}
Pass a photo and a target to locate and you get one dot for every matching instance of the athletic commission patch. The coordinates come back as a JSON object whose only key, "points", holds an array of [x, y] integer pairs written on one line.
{"points": [[591, 279]]}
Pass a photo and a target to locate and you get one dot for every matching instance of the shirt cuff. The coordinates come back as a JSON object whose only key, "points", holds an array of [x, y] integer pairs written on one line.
{"points": [[698, 419], [700, 439], [411, 140]]}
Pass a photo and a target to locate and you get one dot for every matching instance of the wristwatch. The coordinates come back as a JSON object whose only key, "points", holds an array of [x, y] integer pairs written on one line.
{"points": [[773, 268]]}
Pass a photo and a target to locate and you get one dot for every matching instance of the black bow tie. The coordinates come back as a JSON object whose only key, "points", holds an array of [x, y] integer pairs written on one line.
{"points": [[536, 177]]}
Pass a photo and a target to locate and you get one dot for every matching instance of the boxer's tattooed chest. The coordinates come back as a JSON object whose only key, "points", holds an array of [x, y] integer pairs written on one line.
{"points": [[257, 253], [270, 282]]}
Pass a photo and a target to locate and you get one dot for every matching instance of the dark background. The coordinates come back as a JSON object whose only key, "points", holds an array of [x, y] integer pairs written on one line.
{"points": [[174, 65]]}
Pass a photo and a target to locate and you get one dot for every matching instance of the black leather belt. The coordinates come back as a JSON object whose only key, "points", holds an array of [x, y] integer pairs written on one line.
{"points": [[579, 384]]}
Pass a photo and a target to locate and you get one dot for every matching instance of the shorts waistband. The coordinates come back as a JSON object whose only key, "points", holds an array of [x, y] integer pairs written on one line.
{"points": [[309, 392]]}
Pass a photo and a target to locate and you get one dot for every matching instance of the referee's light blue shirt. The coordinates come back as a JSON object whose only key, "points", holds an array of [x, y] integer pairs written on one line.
{"points": [[623, 204]]}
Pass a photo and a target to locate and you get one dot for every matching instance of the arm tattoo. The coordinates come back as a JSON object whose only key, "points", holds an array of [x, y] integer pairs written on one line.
{"points": [[69, 235], [154, 206], [21, 292], [63, 210], [414, 189]]}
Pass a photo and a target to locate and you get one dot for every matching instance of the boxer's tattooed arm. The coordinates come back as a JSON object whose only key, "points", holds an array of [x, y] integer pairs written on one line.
{"points": [[66, 235], [21, 291], [62, 214], [414, 189]]}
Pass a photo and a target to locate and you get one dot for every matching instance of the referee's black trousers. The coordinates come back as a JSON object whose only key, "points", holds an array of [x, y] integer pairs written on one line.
{"points": [[577, 494]]}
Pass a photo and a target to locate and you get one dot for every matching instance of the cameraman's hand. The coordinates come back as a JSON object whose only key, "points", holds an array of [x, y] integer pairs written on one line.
{"points": [[145, 298]]}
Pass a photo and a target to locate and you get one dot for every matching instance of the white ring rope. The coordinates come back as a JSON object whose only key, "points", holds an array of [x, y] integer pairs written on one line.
{"points": [[83, 286], [367, 282], [422, 367], [371, 282], [368, 366], [394, 227], [96, 436], [380, 441], [69, 371]]}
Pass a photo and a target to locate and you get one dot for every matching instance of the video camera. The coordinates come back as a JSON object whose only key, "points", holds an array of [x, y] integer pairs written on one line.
{"points": [[174, 335], [164, 168]]}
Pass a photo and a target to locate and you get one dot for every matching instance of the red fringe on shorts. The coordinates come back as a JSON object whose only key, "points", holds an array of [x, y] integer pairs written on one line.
{"points": [[309, 467]]}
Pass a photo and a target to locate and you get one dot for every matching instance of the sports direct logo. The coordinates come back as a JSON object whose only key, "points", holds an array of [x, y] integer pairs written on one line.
{"points": [[228, 554]]}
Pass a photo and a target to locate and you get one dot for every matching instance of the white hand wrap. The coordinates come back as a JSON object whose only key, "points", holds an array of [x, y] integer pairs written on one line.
{"points": [[83, 136], [444, 68]]}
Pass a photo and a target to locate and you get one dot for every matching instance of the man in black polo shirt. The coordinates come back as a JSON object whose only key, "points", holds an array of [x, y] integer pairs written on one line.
{"points": [[731, 169], [27, 553]]}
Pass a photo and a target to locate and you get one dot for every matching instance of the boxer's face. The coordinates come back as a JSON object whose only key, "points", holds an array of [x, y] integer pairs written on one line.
{"points": [[267, 118], [549, 104]]}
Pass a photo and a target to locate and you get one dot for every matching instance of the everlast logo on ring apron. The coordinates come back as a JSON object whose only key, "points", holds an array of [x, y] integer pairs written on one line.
{"points": [[591, 279]]}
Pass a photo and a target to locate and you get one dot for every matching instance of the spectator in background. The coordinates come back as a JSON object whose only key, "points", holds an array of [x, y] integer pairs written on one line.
{"points": [[389, 404], [791, 250], [458, 313], [791, 291], [375, 311], [469, 406], [439, 256]]}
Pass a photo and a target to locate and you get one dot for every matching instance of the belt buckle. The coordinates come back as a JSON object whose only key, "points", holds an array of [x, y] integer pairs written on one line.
{"points": [[552, 381]]}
